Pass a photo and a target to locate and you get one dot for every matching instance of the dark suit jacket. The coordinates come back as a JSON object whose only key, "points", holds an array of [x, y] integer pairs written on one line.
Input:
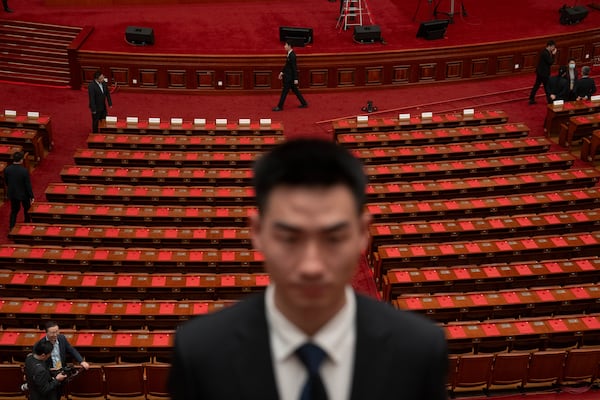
{"points": [[64, 348], [584, 87], [290, 69], [97, 98], [558, 86], [545, 62], [227, 355], [17, 179], [39, 380]]}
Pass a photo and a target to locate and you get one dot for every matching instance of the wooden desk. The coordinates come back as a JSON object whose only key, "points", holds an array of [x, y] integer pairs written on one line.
{"points": [[85, 214], [130, 236], [514, 302], [43, 125], [417, 122], [7, 151], [555, 116], [110, 259], [142, 158], [453, 151], [181, 142], [155, 175], [188, 128], [482, 251], [578, 126], [29, 139], [485, 206], [590, 147], [505, 184], [491, 227], [125, 285], [432, 136], [501, 276], [468, 168]]}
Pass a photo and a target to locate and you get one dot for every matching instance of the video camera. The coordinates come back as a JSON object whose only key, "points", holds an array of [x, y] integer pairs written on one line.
{"points": [[69, 370]]}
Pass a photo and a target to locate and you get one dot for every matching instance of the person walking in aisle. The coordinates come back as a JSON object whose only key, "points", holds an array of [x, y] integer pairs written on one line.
{"points": [[289, 78], [542, 72], [20, 193]]}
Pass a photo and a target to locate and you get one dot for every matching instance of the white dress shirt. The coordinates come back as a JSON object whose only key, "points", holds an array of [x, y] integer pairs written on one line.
{"points": [[337, 338]]}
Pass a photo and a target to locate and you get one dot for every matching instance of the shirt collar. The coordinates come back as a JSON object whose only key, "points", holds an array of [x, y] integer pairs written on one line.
{"points": [[287, 337]]}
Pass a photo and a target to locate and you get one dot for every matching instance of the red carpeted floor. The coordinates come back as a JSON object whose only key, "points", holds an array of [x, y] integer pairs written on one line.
{"points": [[251, 26]]}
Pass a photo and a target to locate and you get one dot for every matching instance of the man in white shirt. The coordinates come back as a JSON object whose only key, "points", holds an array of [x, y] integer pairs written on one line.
{"points": [[309, 336]]}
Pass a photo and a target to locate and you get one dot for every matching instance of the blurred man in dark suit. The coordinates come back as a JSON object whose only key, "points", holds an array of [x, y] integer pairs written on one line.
{"points": [[99, 95], [20, 193], [309, 332], [558, 86], [289, 78]]}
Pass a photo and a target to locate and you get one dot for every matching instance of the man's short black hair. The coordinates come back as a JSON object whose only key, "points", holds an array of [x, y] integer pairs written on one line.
{"points": [[97, 74], [43, 347], [585, 70], [50, 324], [18, 156], [550, 43], [308, 162], [289, 43]]}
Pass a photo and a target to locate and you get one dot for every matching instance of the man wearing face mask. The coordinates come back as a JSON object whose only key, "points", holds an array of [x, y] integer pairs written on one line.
{"points": [[572, 77]]}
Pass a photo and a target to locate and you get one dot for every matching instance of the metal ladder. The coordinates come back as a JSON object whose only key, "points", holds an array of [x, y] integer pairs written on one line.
{"points": [[354, 13]]}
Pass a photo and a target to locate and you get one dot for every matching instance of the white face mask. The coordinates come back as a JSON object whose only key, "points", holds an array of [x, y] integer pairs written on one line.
{"points": [[572, 66]]}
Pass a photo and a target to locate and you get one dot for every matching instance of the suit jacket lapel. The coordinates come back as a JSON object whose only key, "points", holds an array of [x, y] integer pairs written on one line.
{"points": [[371, 334], [254, 365]]}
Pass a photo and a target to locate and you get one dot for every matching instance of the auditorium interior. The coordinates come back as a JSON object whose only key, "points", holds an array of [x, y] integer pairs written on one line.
{"points": [[486, 209]]}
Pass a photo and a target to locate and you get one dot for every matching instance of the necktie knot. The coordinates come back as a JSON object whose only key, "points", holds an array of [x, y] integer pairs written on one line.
{"points": [[311, 356]]}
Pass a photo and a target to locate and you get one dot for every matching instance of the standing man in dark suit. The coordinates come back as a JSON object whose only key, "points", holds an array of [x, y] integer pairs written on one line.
{"points": [[60, 348], [40, 382], [289, 78], [20, 192], [584, 87], [99, 95], [558, 86], [542, 72], [309, 331]]}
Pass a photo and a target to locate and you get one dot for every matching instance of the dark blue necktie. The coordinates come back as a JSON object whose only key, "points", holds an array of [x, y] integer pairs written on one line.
{"points": [[312, 356]]}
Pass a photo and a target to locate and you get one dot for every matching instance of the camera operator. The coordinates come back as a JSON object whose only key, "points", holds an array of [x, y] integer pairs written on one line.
{"points": [[40, 382]]}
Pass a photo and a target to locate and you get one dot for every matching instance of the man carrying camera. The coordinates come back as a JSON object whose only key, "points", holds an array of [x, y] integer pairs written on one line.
{"points": [[40, 382]]}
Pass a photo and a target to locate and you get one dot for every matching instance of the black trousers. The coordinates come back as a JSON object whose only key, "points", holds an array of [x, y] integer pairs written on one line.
{"points": [[15, 207], [539, 80], [5, 4], [99, 116], [287, 85]]}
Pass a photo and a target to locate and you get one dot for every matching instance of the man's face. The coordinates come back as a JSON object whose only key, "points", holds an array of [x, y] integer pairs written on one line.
{"points": [[100, 78], [287, 47], [312, 239], [52, 334]]}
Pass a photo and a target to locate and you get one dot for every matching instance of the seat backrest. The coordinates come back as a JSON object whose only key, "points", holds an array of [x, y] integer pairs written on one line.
{"points": [[473, 370], [124, 380], [156, 380], [11, 379], [87, 384], [545, 367], [509, 368], [581, 365]]}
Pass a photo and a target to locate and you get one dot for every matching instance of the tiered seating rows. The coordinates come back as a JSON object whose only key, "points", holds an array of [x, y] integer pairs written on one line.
{"points": [[557, 115], [42, 124], [578, 126], [189, 128], [30, 140]]}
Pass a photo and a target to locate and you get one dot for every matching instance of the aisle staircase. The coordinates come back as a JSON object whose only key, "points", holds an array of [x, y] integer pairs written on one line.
{"points": [[35, 53]]}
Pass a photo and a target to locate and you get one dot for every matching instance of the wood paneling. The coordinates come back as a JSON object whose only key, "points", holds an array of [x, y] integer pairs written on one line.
{"points": [[174, 72]]}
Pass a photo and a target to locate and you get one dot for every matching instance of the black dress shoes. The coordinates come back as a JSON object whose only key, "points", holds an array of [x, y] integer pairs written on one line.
{"points": [[303, 105], [8, 10], [277, 109]]}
